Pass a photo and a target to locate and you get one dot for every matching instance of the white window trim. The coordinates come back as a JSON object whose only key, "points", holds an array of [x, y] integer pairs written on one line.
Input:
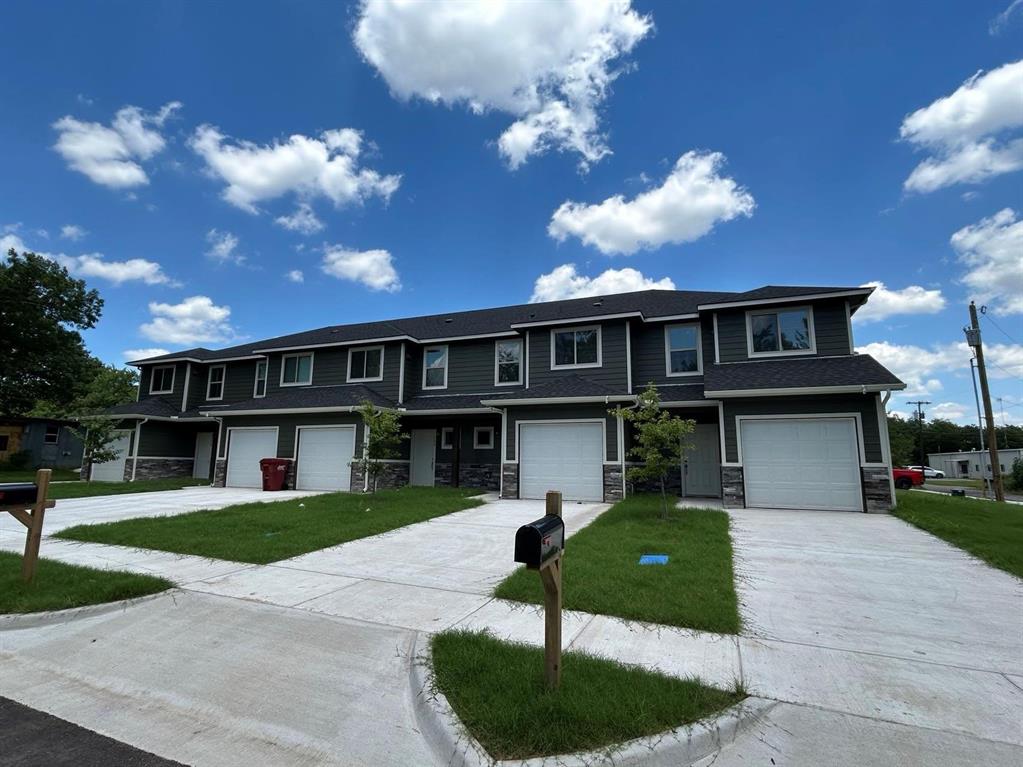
{"points": [[352, 351], [447, 364], [783, 352], [266, 378], [576, 329], [668, 350], [152, 379], [522, 354], [477, 430], [312, 360], [447, 434], [209, 382]]}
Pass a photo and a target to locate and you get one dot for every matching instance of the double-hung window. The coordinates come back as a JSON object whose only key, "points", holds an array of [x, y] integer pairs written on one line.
{"points": [[297, 370], [366, 364], [215, 384], [576, 348], [162, 381], [259, 389], [52, 435], [682, 349], [782, 331], [508, 362], [435, 367]]}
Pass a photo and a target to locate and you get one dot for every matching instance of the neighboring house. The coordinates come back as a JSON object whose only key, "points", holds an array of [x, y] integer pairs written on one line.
{"points": [[516, 399], [975, 464], [50, 442]]}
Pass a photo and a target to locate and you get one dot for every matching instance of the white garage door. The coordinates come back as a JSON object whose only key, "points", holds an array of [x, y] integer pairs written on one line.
{"points": [[244, 450], [113, 471], [801, 463], [324, 458], [561, 456]]}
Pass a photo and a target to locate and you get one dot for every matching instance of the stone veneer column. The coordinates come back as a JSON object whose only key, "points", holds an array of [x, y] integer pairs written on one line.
{"points": [[877, 489], [510, 480], [220, 472], [612, 482], [162, 468], [480, 475], [733, 494]]}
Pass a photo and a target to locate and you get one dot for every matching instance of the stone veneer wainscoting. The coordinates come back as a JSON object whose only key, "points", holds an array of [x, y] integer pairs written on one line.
{"points": [[733, 493], [613, 486], [877, 489], [510, 486]]}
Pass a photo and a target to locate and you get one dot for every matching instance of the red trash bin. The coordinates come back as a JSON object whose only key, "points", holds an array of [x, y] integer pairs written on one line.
{"points": [[275, 471]]}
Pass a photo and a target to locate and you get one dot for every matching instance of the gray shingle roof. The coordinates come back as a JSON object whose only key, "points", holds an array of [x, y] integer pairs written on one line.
{"points": [[153, 407], [562, 387], [444, 402], [650, 303], [854, 370], [306, 397]]}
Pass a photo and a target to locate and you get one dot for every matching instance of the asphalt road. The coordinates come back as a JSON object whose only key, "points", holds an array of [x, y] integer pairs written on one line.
{"points": [[31, 738], [969, 491]]}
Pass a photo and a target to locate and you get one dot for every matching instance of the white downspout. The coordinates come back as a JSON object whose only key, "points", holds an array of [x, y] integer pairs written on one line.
{"points": [[135, 451], [886, 444]]}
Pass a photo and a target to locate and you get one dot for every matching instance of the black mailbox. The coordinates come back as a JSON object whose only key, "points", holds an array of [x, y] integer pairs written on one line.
{"points": [[539, 541], [13, 493]]}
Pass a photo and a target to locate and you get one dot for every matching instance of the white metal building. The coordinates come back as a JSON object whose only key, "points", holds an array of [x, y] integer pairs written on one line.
{"points": [[974, 464]]}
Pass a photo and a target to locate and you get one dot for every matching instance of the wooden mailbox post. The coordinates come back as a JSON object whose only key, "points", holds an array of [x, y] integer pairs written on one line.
{"points": [[30, 514], [540, 546]]}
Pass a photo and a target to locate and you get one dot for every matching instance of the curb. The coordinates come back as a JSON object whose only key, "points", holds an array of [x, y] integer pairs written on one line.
{"points": [[455, 746], [18, 621]]}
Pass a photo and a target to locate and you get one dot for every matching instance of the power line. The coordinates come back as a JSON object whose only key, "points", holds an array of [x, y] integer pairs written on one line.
{"points": [[983, 312]]}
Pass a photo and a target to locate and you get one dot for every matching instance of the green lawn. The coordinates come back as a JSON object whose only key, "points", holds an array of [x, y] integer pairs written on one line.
{"points": [[989, 530], [976, 484], [29, 475], [497, 689], [268, 532], [601, 573], [89, 489], [58, 586]]}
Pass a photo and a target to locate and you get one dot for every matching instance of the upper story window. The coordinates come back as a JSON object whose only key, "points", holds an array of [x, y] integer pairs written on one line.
{"points": [[259, 389], [215, 384], [162, 380], [682, 350], [435, 367], [783, 331], [297, 369], [508, 362], [51, 435], [366, 364], [576, 348]]}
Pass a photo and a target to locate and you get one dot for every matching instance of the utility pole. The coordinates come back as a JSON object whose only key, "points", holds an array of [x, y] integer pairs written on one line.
{"points": [[973, 339], [920, 424], [985, 483]]}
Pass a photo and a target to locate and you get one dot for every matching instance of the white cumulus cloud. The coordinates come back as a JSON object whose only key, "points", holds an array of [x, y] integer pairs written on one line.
{"points": [[326, 166], [295, 275], [966, 131], [141, 354], [111, 155], [692, 200], [372, 268], [303, 220], [885, 302], [223, 246], [549, 65], [566, 282], [195, 320], [73, 232], [992, 251]]}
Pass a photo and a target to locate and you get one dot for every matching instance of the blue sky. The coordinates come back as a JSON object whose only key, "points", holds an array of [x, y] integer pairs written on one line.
{"points": [[448, 157]]}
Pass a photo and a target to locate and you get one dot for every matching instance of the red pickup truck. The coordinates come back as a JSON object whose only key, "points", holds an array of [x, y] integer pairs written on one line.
{"points": [[907, 478]]}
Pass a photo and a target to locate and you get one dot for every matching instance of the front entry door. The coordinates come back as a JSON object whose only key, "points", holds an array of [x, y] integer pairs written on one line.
{"points": [[203, 454], [424, 451], [701, 467]]}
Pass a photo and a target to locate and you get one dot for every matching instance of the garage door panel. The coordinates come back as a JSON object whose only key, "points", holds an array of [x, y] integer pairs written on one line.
{"points": [[810, 463], [113, 471], [562, 456], [246, 447], [324, 458]]}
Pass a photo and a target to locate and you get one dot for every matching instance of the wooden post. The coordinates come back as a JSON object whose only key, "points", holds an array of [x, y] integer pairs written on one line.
{"points": [[550, 576], [35, 527]]}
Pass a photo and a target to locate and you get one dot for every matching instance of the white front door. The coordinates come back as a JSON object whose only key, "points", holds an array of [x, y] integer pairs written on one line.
{"points": [[245, 449], [801, 463], [325, 458], [561, 456], [113, 471], [424, 454], [701, 466], [203, 453]]}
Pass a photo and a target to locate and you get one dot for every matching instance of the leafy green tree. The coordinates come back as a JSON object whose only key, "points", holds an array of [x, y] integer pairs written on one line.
{"points": [[383, 440], [105, 386], [42, 308], [97, 436], [661, 440], [1015, 479]]}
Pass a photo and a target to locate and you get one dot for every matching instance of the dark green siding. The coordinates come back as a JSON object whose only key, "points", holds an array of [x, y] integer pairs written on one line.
{"points": [[612, 372], [470, 368], [649, 360], [330, 368], [864, 404], [145, 376], [565, 413], [830, 324], [163, 439], [467, 453]]}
